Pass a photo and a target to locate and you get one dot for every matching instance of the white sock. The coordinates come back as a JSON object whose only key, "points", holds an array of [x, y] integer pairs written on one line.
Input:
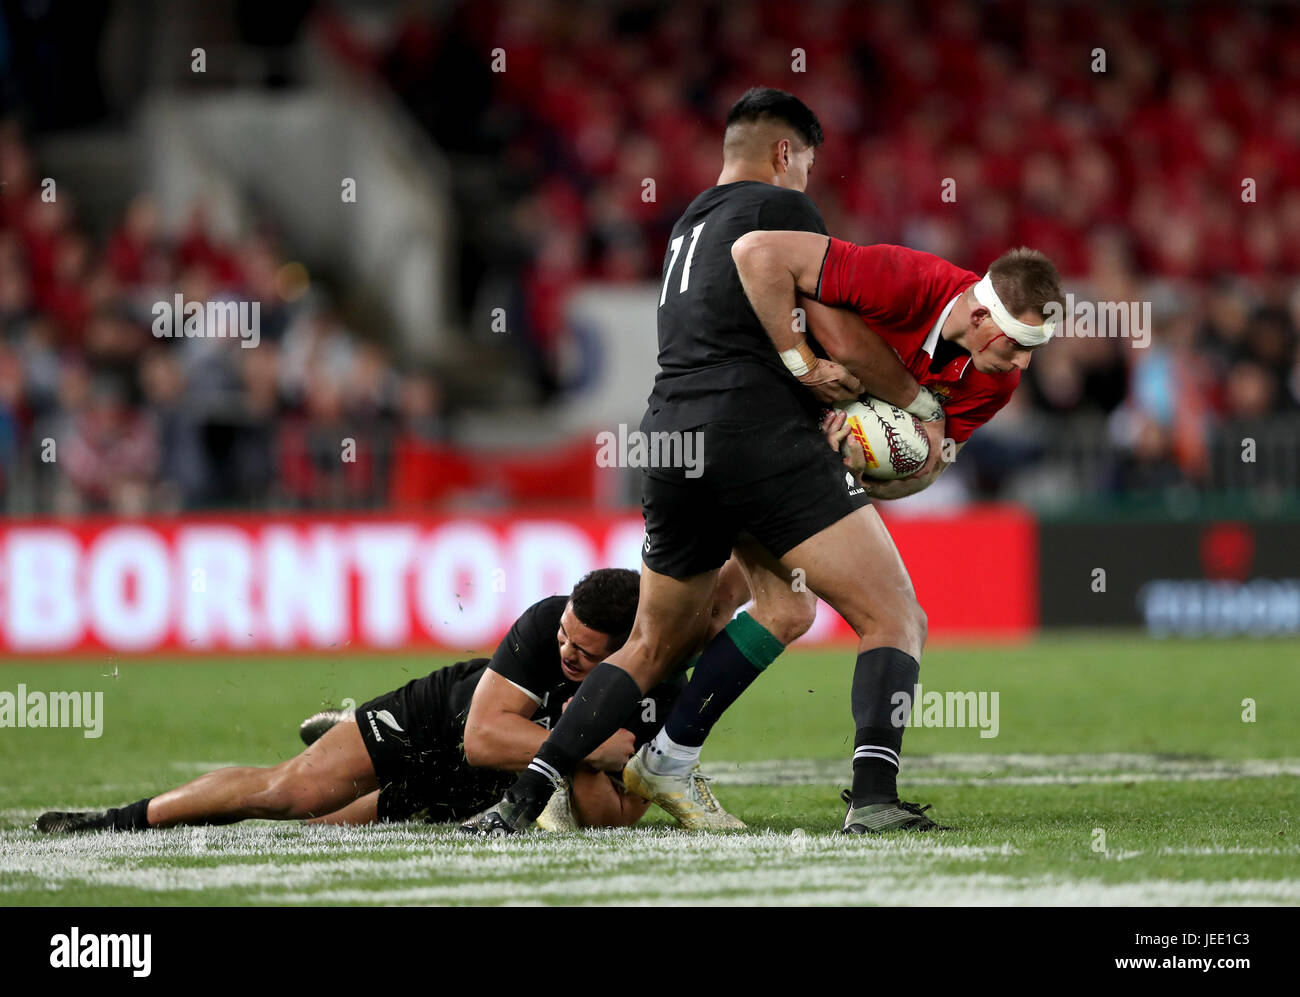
{"points": [[667, 757]]}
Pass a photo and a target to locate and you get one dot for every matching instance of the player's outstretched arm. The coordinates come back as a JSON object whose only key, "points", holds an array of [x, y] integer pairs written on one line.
{"points": [[768, 263], [500, 733], [860, 349], [864, 353], [771, 270], [853, 343]]}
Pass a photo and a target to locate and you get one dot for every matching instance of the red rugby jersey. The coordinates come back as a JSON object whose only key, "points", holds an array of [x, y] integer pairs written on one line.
{"points": [[901, 293]]}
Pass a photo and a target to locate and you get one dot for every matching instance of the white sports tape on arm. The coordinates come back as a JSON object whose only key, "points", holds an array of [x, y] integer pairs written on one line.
{"points": [[799, 359]]}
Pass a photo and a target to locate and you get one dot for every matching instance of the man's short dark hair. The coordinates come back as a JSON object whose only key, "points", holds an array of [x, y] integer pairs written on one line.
{"points": [[605, 600], [1026, 280], [766, 103]]}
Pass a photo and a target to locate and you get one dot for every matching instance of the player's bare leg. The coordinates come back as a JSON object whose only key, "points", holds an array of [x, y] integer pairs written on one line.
{"points": [[666, 771], [672, 617], [785, 608], [729, 593], [364, 810], [854, 565], [326, 776]]}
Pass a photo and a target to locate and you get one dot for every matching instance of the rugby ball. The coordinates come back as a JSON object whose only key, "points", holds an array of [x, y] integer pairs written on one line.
{"points": [[893, 441]]}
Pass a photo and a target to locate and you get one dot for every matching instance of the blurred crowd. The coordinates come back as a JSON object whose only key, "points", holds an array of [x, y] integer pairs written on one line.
{"points": [[98, 414], [1151, 149]]}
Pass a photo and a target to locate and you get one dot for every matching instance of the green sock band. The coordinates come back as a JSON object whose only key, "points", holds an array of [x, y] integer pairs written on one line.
{"points": [[754, 641]]}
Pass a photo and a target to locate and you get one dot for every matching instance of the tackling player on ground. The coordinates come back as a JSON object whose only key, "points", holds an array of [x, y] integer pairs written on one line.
{"points": [[442, 747]]}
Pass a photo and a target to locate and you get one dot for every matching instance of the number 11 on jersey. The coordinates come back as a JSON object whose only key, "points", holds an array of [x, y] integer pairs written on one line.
{"points": [[676, 247]]}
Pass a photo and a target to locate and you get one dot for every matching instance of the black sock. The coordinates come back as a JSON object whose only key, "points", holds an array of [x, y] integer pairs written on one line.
{"points": [[604, 700], [729, 664], [132, 817], [884, 682]]}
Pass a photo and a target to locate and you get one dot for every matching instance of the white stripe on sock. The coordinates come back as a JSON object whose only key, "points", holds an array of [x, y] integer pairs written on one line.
{"points": [[549, 772], [875, 747], [870, 751]]}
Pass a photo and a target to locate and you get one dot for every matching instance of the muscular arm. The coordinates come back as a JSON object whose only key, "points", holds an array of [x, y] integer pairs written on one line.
{"points": [[773, 266], [499, 731], [500, 734], [770, 272], [860, 349]]}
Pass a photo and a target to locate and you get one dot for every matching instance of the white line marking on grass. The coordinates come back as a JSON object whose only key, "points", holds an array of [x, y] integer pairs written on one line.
{"points": [[837, 889], [1218, 850], [1212, 852], [303, 858], [413, 864], [1008, 770]]}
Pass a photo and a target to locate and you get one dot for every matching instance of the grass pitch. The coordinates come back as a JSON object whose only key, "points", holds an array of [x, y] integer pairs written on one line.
{"points": [[1122, 773]]}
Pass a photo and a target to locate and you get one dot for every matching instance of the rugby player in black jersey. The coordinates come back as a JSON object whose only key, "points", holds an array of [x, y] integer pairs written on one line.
{"points": [[444, 746], [768, 477]]}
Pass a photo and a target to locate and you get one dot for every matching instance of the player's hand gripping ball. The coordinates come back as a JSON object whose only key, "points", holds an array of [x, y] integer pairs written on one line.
{"points": [[892, 442]]}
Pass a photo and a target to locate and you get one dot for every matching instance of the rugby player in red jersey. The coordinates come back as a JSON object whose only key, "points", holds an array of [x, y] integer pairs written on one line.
{"points": [[963, 337]]}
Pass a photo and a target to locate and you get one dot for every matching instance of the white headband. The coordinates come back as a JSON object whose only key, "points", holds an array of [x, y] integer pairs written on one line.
{"points": [[1025, 335]]}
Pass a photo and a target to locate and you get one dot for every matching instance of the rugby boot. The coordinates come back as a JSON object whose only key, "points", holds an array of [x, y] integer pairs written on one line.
{"points": [[71, 822], [499, 820], [558, 815], [687, 797], [876, 818], [314, 727]]}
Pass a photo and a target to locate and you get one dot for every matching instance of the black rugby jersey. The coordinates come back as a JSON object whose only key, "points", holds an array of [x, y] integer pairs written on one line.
{"points": [[529, 657], [716, 362]]}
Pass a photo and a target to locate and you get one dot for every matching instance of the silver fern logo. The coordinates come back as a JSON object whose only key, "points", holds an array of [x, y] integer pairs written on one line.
{"points": [[389, 719]]}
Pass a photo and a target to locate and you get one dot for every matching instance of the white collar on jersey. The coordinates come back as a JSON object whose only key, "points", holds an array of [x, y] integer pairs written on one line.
{"points": [[932, 340]]}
